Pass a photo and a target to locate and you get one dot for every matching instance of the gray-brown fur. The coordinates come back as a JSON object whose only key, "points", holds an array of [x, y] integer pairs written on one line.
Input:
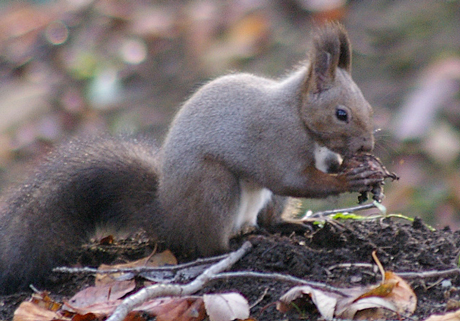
{"points": [[236, 141], [81, 186], [247, 127]]}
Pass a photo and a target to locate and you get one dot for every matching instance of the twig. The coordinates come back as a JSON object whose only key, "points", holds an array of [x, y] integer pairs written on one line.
{"points": [[353, 265], [341, 210], [406, 275], [379, 264], [260, 298], [322, 286], [428, 274], [142, 269], [159, 290], [281, 278]]}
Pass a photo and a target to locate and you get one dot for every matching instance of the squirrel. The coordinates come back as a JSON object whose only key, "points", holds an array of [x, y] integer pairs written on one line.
{"points": [[235, 152]]}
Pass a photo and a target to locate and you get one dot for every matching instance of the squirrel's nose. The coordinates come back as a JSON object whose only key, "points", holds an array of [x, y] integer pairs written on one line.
{"points": [[367, 144]]}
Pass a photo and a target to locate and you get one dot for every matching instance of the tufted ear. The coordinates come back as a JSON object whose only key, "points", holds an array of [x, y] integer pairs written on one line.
{"points": [[331, 49], [345, 50]]}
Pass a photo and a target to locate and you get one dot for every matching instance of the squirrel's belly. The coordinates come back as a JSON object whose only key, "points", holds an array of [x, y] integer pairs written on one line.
{"points": [[253, 198]]}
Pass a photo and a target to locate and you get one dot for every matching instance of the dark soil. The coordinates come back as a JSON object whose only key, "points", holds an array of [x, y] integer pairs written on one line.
{"points": [[401, 247]]}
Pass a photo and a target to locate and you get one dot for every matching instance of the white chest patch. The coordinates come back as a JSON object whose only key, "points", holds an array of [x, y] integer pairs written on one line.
{"points": [[252, 199], [325, 159]]}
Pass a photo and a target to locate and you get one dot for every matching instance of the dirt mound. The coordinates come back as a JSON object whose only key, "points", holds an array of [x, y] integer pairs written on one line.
{"points": [[329, 255]]}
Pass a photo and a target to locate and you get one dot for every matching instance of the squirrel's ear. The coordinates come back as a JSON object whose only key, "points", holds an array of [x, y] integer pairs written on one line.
{"points": [[331, 50], [345, 50]]}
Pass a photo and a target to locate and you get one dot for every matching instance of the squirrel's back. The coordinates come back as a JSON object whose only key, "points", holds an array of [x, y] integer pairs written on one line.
{"points": [[82, 185]]}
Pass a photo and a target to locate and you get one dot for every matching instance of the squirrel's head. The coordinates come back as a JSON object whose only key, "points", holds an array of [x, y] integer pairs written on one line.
{"points": [[333, 107]]}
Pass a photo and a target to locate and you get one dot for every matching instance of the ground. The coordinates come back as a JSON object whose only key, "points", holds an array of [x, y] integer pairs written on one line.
{"points": [[401, 246]]}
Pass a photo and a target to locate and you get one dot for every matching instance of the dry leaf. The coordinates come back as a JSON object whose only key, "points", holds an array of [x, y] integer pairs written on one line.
{"points": [[159, 259], [394, 294], [28, 311], [196, 310], [135, 316], [100, 309], [101, 300], [174, 312], [325, 301], [226, 306], [85, 317], [109, 239], [372, 306], [169, 309], [41, 307], [43, 300], [402, 295], [451, 316]]}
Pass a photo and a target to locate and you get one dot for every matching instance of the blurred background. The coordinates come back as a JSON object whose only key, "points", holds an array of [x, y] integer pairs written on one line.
{"points": [[83, 67]]}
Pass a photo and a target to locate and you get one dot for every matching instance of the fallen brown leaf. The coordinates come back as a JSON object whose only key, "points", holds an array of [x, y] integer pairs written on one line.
{"points": [[85, 317], [451, 316], [394, 294], [100, 300], [29, 311], [43, 300], [325, 302], [226, 306], [172, 309], [159, 259]]}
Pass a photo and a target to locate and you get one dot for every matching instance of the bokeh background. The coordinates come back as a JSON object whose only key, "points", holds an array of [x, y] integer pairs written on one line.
{"points": [[84, 67]]}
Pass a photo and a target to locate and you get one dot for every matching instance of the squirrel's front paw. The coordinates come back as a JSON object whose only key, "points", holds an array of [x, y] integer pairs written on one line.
{"points": [[365, 173], [362, 178]]}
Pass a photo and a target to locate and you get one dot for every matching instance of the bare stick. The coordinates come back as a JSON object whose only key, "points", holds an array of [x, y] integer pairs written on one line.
{"points": [[260, 298], [164, 274], [428, 274], [159, 290], [142, 269], [281, 278], [341, 210]]}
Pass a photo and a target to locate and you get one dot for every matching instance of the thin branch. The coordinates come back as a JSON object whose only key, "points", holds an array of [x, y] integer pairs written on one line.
{"points": [[340, 210], [353, 265], [379, 264], [260, 299], [281, 278], [429, 274], [159, 290], [142, 269]]}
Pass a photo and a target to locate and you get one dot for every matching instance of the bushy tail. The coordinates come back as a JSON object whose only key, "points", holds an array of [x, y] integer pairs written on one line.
{"points": [[100, 181]]}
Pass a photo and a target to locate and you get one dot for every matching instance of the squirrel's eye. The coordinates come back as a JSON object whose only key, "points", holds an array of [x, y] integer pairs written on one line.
{"points": [[341, 114]]}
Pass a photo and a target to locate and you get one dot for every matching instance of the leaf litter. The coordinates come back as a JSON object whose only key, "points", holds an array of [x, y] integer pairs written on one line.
{"points": [[320, 256]]}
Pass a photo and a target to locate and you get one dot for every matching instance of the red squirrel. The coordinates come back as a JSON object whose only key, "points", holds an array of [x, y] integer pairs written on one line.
{"points": [[236, 149]]}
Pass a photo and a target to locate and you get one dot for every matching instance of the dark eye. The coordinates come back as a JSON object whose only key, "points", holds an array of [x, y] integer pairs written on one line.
{"points": [[341, 114]]}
